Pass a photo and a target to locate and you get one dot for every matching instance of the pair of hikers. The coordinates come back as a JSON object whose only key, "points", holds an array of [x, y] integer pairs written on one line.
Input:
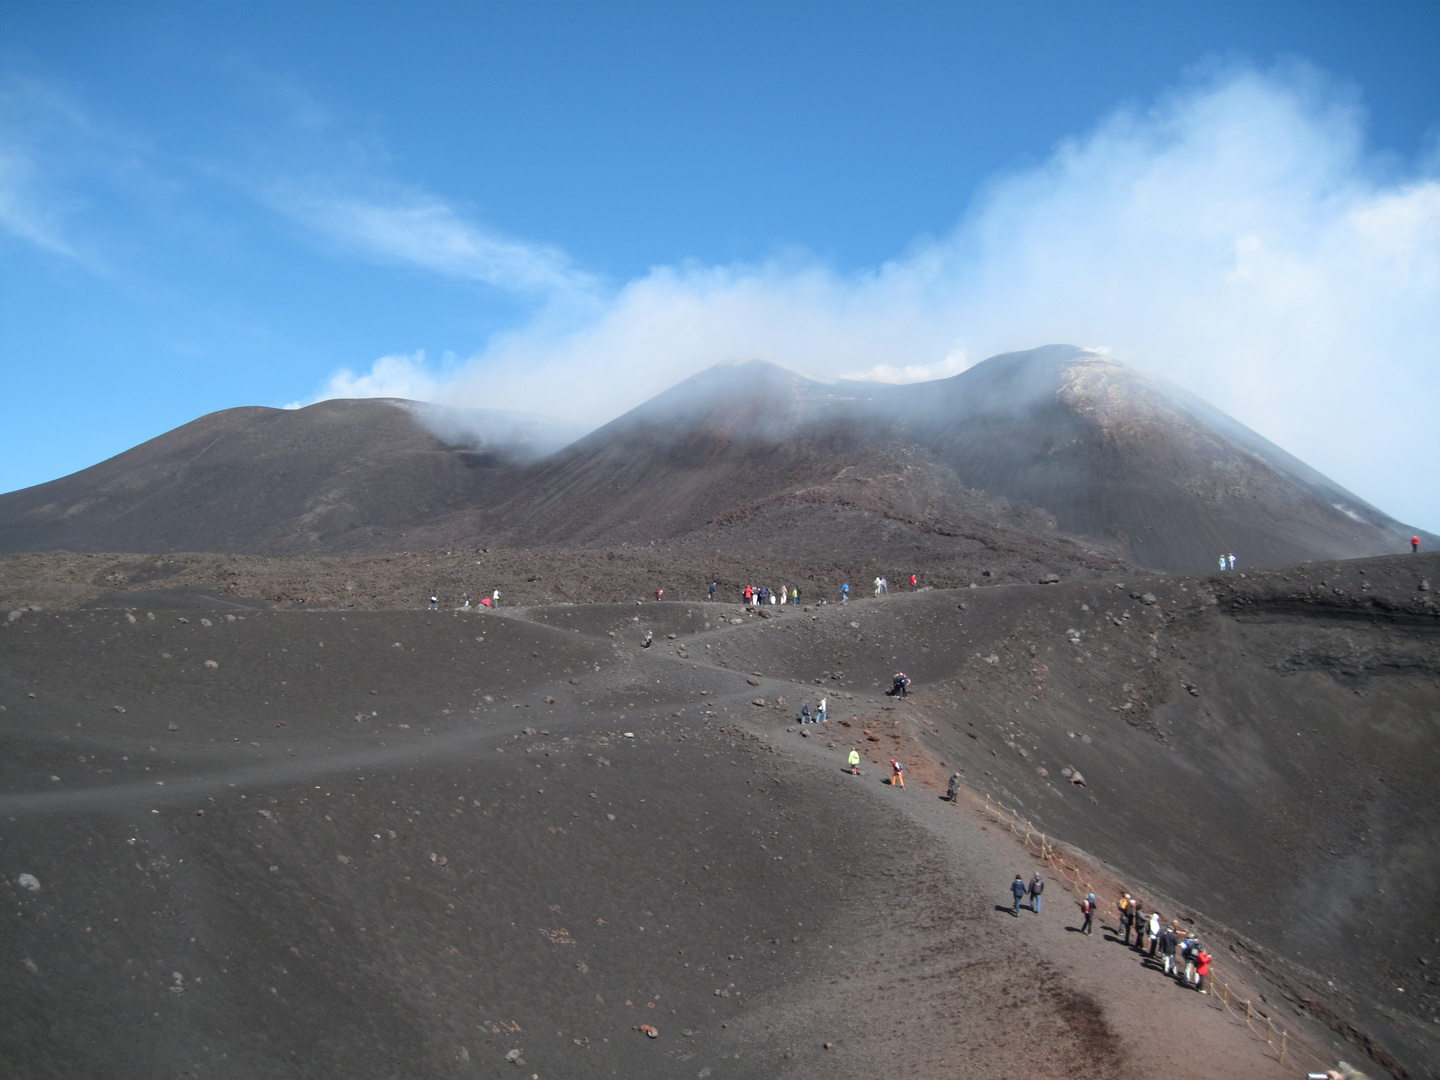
{"points": [[899, 685], [822, 714], [1019, 890]]}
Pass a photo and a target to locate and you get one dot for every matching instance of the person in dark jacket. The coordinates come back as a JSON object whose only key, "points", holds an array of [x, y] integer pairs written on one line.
{"points": [[1167, 950], [1087, 907], [1037, 886], [1017, 890]]}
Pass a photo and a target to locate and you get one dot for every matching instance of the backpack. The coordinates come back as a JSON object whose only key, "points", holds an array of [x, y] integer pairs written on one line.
{"points": [[1087, 907]]}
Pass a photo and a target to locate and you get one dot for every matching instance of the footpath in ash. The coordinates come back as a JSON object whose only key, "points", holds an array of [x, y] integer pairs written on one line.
{"points": [[1143, 1023]]}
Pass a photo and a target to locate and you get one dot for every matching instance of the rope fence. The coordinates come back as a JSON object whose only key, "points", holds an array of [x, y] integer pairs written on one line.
{"points": [[1278, 1041]]}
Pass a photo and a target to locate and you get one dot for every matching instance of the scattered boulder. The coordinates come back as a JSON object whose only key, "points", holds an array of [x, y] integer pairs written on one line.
{"points": [[1050, 579], [28, 882]]}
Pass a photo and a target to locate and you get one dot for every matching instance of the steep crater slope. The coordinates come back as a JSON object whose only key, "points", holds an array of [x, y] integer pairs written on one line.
{"points": [[1261, 749]]}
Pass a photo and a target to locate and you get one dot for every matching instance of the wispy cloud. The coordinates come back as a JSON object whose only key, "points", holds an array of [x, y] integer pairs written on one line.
{"points": [[423, 230], [37, 124], [1235, 236]]}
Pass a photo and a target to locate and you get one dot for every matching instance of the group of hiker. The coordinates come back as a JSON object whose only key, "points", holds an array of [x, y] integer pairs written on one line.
{"points": [[1176, 952], [757, 595], [491, 601]]}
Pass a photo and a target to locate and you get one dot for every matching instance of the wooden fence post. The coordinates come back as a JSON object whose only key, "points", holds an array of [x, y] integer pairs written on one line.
{"points": [[1284, 1037]]}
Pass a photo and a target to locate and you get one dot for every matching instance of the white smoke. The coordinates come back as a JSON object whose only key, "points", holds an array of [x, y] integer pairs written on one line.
{"points": [[1236, 237]]}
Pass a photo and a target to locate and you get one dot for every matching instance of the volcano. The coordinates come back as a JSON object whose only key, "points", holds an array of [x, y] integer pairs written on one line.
{"points": [[1057, 448]]}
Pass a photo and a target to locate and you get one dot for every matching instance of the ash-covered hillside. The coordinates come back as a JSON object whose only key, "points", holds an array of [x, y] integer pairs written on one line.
{"points": [[1063, 451]]}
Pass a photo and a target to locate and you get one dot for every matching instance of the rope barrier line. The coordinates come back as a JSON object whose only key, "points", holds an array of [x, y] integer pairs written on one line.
{"points": [[1277, 1040]]}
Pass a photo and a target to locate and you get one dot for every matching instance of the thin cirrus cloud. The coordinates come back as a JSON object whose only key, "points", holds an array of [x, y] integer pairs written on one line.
{"points": [[38, 129], [423, 231], [1236, 236]]}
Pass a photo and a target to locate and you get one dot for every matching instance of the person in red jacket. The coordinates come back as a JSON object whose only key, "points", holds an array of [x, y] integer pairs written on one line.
{"points": [[1414, 543], [912, 582], [1202, 970], [747, 594]]}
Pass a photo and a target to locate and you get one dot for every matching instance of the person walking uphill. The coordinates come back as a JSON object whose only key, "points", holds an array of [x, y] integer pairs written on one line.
{"points": [[1017, 890], [1087, 908], [1127, 915], [854, 761], [1037, 886], [897, 774]]}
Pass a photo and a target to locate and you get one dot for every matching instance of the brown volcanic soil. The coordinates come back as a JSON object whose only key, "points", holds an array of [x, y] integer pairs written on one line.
{"points": [[364, 841]]}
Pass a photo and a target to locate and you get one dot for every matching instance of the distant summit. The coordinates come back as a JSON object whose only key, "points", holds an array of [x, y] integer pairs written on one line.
{"points": [[1051, 446]]}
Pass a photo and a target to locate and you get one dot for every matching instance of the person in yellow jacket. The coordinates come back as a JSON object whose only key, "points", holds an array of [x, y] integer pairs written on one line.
{"points": [[855, 761]]}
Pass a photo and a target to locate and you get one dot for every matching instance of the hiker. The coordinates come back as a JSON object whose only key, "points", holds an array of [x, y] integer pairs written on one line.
{"points": [[1414, 544], [1202, 969], [897, 774], [822, 714], [434, 601], [1231, 557], [1087, 908], [1167, 950], [1222, 562], [1017, 890], [1037, 886], [659, 593], [1127, 915], [495, 599], [854, 761], [884, 587], [747, 594], [1191, 951], [648, 638], [953, 791], [1185, 960], [877, 586], [912, 582], [466, 603], [712, 589], [845, 591], [805, 712], [1154, 931], [795, 597], [899, 685], [485, 602]]}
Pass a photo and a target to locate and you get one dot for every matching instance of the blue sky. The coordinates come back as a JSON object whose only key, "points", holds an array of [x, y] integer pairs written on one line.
{"points": [[564, 208]]}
